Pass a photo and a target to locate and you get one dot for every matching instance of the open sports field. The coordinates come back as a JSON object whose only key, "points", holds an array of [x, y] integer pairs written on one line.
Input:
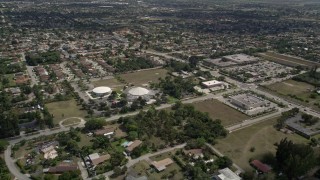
{"points": [[144, 76], [112, 83], [218, 110], [288, 60], [261, 137], [65, 109]]}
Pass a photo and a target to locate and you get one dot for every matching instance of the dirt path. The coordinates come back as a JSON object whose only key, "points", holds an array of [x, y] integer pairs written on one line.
{"points": [[249, 144], [82, 121]]}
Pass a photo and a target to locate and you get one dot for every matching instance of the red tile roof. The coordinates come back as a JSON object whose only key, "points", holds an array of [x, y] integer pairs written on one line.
{"points": [[260, 166]]}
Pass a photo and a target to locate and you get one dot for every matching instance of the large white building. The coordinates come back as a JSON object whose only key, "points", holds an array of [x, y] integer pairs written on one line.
{"points": [[102, 91], [136, 92], [211, 84]]}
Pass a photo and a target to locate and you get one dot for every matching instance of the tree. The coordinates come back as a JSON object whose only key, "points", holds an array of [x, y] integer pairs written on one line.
{"points": [[3, 145], [70, 175], [94, 124], [4, 171], [223, 162], [193, 61], [221, 78], [100, 142], [294, 160]]}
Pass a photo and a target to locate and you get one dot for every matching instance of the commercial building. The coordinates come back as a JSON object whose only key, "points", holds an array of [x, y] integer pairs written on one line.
{"points": [[295, 124], [231, 60], [241, 58], [248, 101]]}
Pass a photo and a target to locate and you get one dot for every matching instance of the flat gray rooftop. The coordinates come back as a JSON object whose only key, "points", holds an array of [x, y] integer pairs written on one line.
{"points": [[248, 99], [295, 123]]}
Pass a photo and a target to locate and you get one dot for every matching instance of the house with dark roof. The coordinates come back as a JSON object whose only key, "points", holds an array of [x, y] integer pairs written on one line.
{"points": [[61, 168]]}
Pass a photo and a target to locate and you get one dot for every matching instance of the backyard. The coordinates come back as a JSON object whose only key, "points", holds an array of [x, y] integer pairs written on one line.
{"points": [[218, 110]]}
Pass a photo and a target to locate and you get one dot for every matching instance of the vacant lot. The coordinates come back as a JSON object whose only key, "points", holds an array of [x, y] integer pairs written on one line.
{"points": [[300, 90], [112, 83], [287, 60], [145, 76], [218, 110], [261, 136], [65, 109]]}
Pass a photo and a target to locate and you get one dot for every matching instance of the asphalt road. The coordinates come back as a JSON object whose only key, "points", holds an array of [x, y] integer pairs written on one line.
{"points": [[12, 166]]}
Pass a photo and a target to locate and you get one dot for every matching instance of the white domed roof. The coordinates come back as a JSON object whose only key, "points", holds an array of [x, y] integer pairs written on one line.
{"points": [[138, 91], [101, 90]]}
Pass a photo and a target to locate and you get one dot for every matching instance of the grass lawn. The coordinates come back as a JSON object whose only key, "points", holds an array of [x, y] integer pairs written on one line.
{"points": [[292, 87], [11, 83], [65, 109], [172, 100], [144, 77], [71, 121], [112, 83], [85, 140], [261, 136], [117, 145], [218, 110]]}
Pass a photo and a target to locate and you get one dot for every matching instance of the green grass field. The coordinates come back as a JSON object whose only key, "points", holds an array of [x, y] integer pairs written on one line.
{"points": [[292, 87], [218, 110], [261, 136], [300, 89], [65, 109], [112, 83], [143, 77]]}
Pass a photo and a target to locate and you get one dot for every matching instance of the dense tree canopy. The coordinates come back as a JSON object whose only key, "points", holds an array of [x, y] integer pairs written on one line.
{"points": [[94, 124], [50, 57], [4, 171], [179, 125], [295, 160]]}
